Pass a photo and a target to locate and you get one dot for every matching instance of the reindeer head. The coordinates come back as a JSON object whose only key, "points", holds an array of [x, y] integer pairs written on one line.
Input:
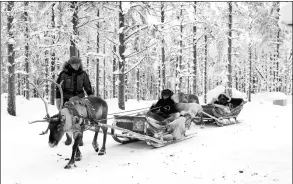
{"points": [[56, 122]]}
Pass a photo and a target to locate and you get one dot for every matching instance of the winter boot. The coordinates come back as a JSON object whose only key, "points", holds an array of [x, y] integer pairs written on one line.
{"points": [[68, 139]]}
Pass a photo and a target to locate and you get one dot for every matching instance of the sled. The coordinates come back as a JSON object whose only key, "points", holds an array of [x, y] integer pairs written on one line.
{"points": [[141, 128], [213, 114]]}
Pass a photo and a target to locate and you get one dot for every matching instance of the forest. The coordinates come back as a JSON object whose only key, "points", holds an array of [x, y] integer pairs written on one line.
{"points": [[133, 50]]}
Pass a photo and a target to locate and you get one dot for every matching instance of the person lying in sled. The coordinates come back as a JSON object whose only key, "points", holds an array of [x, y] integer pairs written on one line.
{"points": [[223, 102], [164, 108]]}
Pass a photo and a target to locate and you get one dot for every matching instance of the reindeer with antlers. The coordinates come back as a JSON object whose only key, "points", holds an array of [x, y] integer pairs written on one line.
{"points": [[74, 117]]}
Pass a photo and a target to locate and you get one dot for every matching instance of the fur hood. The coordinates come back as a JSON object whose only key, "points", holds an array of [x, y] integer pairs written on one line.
{"points": [[67, 68]]}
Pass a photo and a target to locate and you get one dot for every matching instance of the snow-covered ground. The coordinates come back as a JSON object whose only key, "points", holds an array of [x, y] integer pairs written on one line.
{"points": [[259, 150]]}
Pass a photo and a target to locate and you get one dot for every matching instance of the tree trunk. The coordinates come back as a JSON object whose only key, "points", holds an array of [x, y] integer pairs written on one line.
{"points": [[98, 60], [159, 86], [114, 68], [126, 91], [177, 87], [47, 73], [18, 84], [151, 86], [26, 50], [104, 77], [188, 85], [52, 95], [137, 85], [121, 87], [205, 67], [143, 89], [73, 50], [250, 73], [163, 47], [181, 49], [244, 78], [278, 78], [271, 79], [230, 51], [194, 56], [11, 107]]}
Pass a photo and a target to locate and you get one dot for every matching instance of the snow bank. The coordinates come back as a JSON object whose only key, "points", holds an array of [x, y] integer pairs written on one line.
{"points": [[221, 89], [269, 97]]}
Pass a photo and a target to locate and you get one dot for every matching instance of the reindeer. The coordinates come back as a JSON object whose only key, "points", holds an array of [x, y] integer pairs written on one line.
{"points": [[73, 117], [184, 98]]}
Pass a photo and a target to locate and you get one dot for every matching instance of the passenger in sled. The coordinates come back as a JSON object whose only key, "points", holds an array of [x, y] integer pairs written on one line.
{"points": [[164, 108], [164, 118], [226, 108]]}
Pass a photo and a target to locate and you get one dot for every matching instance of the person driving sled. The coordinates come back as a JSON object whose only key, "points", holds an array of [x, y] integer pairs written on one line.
{"points": [[164, 107], [75, 83]]}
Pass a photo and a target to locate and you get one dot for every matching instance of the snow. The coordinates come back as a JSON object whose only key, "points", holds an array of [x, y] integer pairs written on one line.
{"points": [[285, 13], [258, 150], [218, 90], [125, 7], [151, 20]]}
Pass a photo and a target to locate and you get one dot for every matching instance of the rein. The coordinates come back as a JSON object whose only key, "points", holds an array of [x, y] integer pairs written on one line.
{"points": [[70, 105]]}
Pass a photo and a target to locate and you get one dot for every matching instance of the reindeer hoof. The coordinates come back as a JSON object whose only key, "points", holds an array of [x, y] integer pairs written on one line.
{"points": [[69, 166], [95, 146], [102, 152]]}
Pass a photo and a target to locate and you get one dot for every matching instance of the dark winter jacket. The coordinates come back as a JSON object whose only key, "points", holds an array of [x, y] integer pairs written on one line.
{"points": [[75, 82], [166, 106]]}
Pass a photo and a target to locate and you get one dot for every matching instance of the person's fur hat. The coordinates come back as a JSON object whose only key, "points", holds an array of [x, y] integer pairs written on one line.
{"points": [[226, 95], [74, 60], [166, 92]]}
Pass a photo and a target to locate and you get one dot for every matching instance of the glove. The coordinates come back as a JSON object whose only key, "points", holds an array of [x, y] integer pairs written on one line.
{"points": [[58, 102]]}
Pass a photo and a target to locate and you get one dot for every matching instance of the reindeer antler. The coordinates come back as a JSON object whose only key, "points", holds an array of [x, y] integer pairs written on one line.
{"points": [[46, 106], [60, 89], [47, 118], [44, 120]]}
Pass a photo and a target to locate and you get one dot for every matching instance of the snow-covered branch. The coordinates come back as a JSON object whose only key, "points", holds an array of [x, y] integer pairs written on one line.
{"points": [[135, 31], [89, 22], [110, 8], [111, 40], [135, 65], [136, 53]]}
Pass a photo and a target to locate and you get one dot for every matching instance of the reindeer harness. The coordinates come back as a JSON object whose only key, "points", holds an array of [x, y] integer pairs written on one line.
{"points": [[78, 125]]}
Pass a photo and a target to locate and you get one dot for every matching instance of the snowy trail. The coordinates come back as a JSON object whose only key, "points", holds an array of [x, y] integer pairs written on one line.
{"points": [[259, 150]]}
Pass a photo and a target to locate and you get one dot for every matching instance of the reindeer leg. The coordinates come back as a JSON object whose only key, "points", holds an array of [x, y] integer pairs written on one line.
{"points": [[77, 155], [202, 124], [103, 149], [95, 143], [74, 151]]}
